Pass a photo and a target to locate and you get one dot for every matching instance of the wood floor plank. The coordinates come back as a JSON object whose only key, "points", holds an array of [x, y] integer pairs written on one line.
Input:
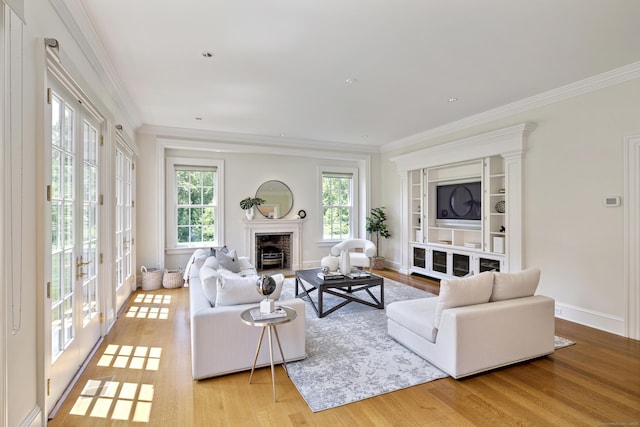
{"points": [[595, 381]]}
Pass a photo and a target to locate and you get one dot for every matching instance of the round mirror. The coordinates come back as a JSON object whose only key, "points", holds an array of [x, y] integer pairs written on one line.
{"points": [[277, 197]]}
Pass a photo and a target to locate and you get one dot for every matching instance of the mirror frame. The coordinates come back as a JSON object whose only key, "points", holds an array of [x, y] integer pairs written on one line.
{"points": [[267, 208]]}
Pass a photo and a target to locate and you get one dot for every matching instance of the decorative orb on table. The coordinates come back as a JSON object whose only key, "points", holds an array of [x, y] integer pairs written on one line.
{"points": [[266, 285]]}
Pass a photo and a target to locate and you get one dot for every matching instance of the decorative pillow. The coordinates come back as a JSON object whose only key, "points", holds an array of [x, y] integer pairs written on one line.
{"points": [[212, 262], [515, 285], [195, 263], [246, 269], [229, 261], [460, 292], [209, 283], [234, 290]]}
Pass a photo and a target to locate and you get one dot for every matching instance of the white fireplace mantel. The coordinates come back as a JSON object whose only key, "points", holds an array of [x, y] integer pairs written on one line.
{"points": [[259, 226]]}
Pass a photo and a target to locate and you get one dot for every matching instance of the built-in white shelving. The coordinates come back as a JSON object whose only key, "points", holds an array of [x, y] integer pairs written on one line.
{"points": [[445, 249]]}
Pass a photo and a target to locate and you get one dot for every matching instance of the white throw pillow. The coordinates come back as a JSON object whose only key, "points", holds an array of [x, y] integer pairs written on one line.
{"points": [[212, 262], [460, 292], [234, 290], [195, 263], [515, 285], [229, 261], [209, 283]]}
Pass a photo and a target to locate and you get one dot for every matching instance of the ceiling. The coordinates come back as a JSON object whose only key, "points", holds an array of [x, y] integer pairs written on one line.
{"points": [[364, 72]]}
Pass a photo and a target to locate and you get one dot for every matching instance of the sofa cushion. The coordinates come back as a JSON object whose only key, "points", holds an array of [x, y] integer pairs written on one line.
{"points": [[209, 283], [195, 264], [229, 261], [212, 262], [234, 290], [515, 285], [246, 269], [466, 291], [417, 315]]}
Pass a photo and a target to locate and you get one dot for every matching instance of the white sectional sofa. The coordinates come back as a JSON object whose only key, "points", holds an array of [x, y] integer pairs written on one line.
{"points": [[477, 323], [220, 342]]}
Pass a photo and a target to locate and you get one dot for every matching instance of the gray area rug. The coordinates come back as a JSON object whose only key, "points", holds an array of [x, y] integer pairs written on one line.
{"points": [[350, 357]]}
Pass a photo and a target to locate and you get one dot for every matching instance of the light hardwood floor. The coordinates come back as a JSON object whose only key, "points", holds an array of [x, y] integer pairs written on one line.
{"points": [[595, 382]]}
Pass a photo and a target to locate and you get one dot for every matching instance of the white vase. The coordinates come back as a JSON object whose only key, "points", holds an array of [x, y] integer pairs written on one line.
{"points": [[249, 213], [345, 262]]}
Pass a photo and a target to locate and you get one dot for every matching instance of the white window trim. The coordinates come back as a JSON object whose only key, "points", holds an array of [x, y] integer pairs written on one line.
{"points": [[355, 202], [170, 225]]}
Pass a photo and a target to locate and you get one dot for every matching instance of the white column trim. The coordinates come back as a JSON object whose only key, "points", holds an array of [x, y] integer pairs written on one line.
{"points": [[631, 203]]}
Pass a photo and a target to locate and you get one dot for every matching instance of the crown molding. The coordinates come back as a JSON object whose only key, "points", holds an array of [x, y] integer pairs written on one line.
{"points": [[237, 142], [581, 87], [76, 20]]}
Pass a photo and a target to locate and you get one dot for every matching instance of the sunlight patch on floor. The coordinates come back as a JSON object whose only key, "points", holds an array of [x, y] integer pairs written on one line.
{"points": [[108, 399], [152, 299], [127, 356]]}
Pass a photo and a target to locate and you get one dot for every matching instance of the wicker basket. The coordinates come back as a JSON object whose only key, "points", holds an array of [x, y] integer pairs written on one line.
{"points": [[151, 278], [173, 278]]}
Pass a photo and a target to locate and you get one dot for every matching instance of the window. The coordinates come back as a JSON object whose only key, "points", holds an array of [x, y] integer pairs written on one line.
{"points": [[338, 204], [194, 213]]}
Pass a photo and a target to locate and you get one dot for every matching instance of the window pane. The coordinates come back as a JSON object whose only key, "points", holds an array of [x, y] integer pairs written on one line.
{"points": [[183, 196], [196, 209], [207, 196], [183, 216], [337, 209]]}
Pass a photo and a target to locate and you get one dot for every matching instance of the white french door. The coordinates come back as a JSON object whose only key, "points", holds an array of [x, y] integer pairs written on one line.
{"points": [[72, 230], [124, 241]]}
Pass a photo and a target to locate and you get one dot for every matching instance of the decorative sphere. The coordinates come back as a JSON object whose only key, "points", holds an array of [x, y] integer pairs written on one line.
{"points": [[266, 285], [330, 261]]}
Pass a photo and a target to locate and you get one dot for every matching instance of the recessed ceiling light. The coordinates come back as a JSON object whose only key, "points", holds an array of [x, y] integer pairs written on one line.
{"points": [[351, 80], [208, 54], [452, 99], [282, 134]]}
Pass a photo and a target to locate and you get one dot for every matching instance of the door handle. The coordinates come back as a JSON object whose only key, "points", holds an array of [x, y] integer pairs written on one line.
{"points": [[79, 266]]}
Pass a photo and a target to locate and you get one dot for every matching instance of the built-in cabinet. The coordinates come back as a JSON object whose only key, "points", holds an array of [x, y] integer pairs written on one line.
{"points": [[444, 249], [442, 263]]}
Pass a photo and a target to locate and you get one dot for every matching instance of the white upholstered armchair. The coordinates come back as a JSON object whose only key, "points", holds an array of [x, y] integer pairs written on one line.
{"points": [[357, 259]]}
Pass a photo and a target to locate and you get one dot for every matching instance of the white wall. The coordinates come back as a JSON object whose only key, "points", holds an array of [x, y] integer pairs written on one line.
{"points": [[246, 167], [575, 159], [25, 380]]}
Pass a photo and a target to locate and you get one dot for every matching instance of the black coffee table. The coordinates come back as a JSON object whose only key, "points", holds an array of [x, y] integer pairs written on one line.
{"points": [[344, 288]]}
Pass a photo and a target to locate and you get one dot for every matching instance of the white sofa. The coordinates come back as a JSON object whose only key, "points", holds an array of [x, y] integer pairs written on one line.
{"points": [[220, 342], [477, 323]]}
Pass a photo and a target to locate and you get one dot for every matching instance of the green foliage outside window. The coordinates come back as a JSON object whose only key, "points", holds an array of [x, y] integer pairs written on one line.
{"points": [[196, 208], [336, 201]]}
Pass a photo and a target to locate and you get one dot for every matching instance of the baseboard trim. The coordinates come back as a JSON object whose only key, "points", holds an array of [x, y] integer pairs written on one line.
{"points": [[34, 418], [594, 319]]}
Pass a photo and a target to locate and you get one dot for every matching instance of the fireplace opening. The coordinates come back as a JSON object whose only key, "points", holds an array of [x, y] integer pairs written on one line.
{"points": [[273, 251]]}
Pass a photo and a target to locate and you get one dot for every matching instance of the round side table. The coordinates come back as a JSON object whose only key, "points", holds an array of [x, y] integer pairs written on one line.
{"points": [[268, 324]]}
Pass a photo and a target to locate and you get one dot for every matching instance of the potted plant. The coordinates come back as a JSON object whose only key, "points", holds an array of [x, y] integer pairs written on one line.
{"points": [[376, 224], [248, 203]]}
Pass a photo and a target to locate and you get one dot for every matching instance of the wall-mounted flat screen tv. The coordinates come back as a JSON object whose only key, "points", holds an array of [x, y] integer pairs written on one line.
{"points": [[459, 204]]}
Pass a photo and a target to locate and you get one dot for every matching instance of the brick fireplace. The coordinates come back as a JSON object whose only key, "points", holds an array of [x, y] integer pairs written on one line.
{"points": [[273, 250], [279, 239]]}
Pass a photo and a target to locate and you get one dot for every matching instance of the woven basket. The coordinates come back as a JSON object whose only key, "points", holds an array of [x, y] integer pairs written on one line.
{"points": [[151, 278], [173, 278]]}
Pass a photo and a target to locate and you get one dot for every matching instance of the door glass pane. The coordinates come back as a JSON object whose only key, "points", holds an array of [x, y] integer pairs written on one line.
{"points": [[88, 271], [61, 222]]}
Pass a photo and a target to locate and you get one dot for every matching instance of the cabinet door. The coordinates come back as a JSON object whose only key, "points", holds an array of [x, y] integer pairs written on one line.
{"points": [[487, 264], [419, 257], [461, 265], [439, 261]]}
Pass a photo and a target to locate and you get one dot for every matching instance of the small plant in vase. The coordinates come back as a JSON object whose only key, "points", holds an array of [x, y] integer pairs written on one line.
{"points": [[248, 203], [377, 225]]}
